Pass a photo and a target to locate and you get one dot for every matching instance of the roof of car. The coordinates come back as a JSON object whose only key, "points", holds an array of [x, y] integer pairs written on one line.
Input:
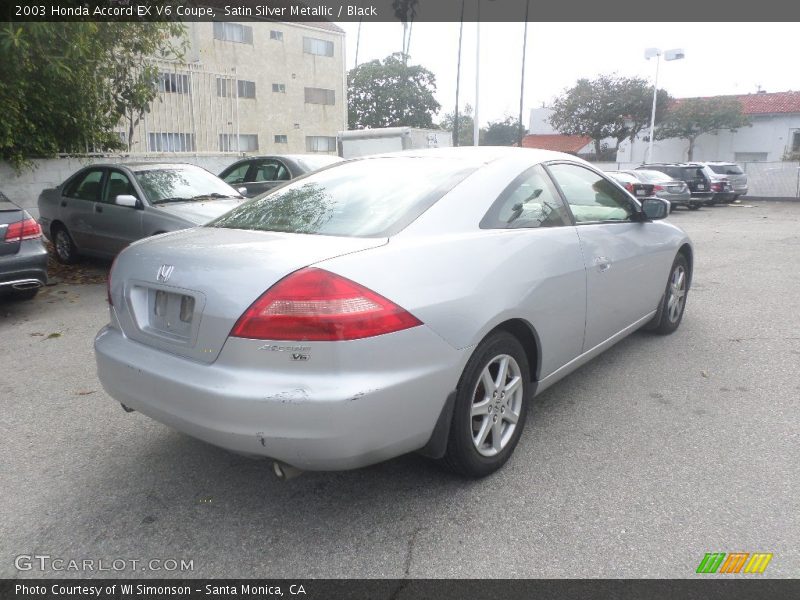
{"points": [[143, 166], [290, 156]]}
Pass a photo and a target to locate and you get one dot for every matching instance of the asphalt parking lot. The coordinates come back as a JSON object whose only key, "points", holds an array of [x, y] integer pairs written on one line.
{"points": [[658, 451]]}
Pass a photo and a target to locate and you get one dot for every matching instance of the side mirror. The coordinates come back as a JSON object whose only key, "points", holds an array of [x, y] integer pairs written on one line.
{"points": [[126, 200], [242, 191], [655, 208]]}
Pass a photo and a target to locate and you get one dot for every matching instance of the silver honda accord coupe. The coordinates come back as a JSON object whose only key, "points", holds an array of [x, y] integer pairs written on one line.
{"points": [[406, 302]]}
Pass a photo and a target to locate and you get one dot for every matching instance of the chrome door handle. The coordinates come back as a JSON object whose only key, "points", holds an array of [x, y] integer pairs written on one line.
{"points": [[602, 263]]}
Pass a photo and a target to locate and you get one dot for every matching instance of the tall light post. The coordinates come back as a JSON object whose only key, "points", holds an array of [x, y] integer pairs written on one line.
{"points": [[675, 54]]}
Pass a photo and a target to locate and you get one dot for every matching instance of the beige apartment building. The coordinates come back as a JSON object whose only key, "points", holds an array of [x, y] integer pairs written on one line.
{"points": [[254, 87]]}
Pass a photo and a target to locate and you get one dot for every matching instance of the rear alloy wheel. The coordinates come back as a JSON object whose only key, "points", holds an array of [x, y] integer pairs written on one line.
{"points": [[490, 408], [66, 252], [673, 303]]}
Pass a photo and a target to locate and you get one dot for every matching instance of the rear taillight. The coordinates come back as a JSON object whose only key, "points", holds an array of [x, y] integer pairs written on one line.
{"points": [[629, 187], [658, 188], [316, 305], [28, 229], [716, 187]]}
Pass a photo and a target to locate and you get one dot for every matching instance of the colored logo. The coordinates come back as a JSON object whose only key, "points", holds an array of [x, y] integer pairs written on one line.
{"points": [[735, 562]]}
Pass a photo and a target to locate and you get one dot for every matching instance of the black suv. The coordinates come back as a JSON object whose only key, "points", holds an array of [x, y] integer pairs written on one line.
{"points": [[706, 186]]}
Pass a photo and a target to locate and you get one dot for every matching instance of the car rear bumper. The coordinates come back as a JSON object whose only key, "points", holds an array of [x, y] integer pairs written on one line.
{"points": [[320, 420], [25, 269]]}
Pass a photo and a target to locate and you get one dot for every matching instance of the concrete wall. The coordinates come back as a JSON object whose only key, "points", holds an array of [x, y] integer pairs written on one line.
{"points": [[24, 188], [769, 134]]}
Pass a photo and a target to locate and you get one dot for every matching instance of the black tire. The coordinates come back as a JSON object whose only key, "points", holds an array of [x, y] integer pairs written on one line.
{"points": [[65, 249], [693, 206], [668, 319], [463, 455]]}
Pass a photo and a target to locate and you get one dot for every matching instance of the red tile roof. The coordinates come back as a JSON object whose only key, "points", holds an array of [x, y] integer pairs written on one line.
{"points": [[766, 104], [560, 143], [778, 102]]}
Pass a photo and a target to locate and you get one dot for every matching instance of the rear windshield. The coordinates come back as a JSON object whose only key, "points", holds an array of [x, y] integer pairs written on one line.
{"points": [[374, 197], [727, 169], [653, 176]]}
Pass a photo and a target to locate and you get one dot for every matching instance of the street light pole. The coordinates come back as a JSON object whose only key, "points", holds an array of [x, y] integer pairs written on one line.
{"points": [[675, 54], [653, 113], [476, 126]]}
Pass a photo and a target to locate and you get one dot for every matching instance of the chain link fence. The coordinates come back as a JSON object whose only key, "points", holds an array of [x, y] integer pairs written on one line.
{"points": [[764, 179]]}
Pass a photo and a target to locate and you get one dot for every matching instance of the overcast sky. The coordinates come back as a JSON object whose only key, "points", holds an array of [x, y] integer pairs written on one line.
{"points": [[721, 58]]}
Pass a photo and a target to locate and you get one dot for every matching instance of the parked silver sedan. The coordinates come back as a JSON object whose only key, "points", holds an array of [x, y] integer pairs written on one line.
{"points": [[103, 208], [675, 192], [407, 302]]}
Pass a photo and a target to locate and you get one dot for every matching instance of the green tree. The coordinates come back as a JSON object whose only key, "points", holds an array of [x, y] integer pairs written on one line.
{"points": [[506, 132], [68, 87], [390, 93], [689, 118], [466, 124], [607, 107]]}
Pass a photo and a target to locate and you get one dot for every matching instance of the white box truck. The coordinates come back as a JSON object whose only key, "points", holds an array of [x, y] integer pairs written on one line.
{"points": [[363, 142]]}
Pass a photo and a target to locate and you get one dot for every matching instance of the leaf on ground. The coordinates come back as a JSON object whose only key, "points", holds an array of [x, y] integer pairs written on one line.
{"points": [[86, 392], [36, 333], [53, 335], [704, 374]]}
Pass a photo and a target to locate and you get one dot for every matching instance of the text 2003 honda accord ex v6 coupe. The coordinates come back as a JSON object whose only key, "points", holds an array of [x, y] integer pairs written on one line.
{"points": [[398, 303]]}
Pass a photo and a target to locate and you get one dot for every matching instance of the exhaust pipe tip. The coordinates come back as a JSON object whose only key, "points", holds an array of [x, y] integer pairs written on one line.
{"points": [[27, 285], [285, 472]]}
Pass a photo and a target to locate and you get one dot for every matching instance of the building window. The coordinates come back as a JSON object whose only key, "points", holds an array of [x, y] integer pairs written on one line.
{"points": [[279, 88], [740, 157], [276, 35], [317, 47], [224, 87], [320, 143], [796, 141], [173, 83], [244, 89], [320, 96], [247, 89], [233, 32], [247, 142], [281, 139], [170, 142]]}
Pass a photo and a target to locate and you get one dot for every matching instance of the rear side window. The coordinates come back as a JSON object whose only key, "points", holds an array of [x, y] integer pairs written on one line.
{"points": [[86, 186], [727, 169], [364, 198], [530, 201]]}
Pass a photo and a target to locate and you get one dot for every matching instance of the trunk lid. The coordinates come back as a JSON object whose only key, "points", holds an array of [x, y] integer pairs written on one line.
{"points": [[183, 292]]}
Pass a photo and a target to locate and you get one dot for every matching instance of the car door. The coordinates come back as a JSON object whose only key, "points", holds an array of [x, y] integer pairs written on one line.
{"points": [[236, 174], [77, 206], [265, 174], [623, 281], [547, 268], [116, 226]]}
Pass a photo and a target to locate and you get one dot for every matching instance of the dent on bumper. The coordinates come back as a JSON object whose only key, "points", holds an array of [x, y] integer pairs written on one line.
{"points": [[318, 422]]}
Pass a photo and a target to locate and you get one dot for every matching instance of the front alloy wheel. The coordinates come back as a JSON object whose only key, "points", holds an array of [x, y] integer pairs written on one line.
{"points": [[673, 302]]}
